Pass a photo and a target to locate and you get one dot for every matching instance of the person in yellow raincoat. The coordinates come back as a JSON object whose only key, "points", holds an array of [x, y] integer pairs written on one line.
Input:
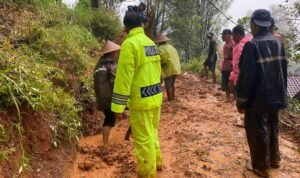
{"points": [[170, 64], [137, 86]]}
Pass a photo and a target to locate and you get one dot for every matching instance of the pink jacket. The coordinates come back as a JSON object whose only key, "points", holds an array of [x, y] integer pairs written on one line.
{"points": [[278, 36], [237, 51]]}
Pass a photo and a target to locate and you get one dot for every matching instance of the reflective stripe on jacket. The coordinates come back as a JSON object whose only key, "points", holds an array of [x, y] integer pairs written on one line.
{"points": [[137, 83], [169, 60]]}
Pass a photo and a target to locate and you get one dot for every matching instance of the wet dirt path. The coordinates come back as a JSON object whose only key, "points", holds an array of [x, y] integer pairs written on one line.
{"points": [[197, 137]]}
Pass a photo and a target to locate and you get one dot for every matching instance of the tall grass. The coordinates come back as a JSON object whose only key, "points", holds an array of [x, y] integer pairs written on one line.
{"points": [[46, 64]]}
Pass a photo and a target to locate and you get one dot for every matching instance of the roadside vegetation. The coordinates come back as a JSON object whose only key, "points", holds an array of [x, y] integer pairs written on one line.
{"points": [[48, 52], [46, 63]]}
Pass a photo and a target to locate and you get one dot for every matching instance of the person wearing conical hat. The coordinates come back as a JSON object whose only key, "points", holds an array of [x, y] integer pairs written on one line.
{"points": [[170, 64], [104, 75]]}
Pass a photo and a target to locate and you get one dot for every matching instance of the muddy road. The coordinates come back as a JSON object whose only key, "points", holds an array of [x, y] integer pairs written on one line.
{"points": [[198, 138]]}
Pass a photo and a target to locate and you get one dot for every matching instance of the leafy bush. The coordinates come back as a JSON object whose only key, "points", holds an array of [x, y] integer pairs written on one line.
{"points": [[49, 57], [104, 24], [69, 46], [56, 49], [24, 81], [294, 105]]}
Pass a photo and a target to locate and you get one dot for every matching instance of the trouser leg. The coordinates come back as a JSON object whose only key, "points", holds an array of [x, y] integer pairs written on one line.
{"points": [[206, 70], [258, 138], [156, 120], [214, 77], [274, 143], [170, 94], [109, 122], [127, 136], [173, 87], [225, 79], [169, 89], [144, 125]]}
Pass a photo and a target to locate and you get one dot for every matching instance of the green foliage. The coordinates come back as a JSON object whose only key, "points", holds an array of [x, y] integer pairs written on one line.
{"points": [[46, 64], [57, 51], [196, 65], [25, 81], [244, 22], [193, 65], [24, 164], [88, 87], [3, 135], [5, 151], [31, 2], [189, 22], [69, 46], [286, 16], [294, 105], [104, 24], [84, 4]]}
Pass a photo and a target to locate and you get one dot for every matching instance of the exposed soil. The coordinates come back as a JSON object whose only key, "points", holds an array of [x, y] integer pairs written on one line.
{"points": [[198, 138], [46, 161]]}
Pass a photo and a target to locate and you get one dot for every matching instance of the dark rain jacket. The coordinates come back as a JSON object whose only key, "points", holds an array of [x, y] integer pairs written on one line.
{"points": [[262, 82], [104, 83]]}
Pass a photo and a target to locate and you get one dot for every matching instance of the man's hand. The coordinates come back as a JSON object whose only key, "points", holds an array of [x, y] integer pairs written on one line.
{"points": [[242, 111], [118, 116], [212, 60]]}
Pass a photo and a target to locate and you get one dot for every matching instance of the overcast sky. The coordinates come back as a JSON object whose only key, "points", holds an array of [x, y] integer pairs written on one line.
{"points": [[241, 8]]}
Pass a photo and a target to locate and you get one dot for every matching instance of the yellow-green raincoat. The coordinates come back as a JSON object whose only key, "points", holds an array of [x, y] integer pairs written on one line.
{"points": [[138, 86], [169, 60]]}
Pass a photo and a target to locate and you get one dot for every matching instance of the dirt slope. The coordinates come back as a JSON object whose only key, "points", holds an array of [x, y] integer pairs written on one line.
{"points": [[197, 137]]}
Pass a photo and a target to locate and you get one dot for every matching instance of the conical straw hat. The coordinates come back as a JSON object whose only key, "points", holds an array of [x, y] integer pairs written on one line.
{"points": [[109, 47], [162, 38]]}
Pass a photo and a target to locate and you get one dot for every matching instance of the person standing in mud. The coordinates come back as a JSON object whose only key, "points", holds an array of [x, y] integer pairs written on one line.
{"points": [[261, 92], [210, 62], [239, 38], [170, 64], [227, 60], [138, 86], [104, 75]]}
